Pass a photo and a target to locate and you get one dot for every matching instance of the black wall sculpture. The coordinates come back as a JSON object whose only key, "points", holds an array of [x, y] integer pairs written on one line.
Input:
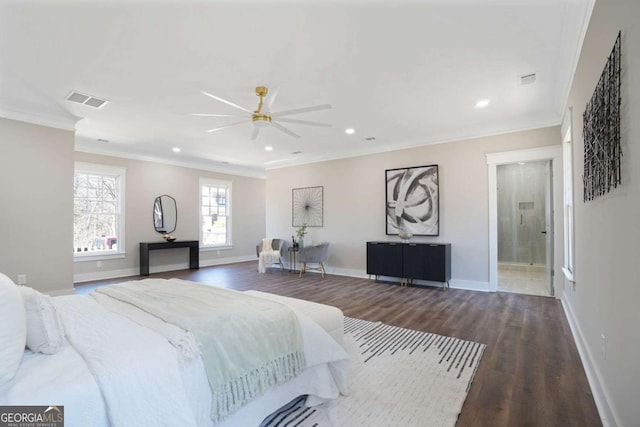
{"points": [[601, 121]]}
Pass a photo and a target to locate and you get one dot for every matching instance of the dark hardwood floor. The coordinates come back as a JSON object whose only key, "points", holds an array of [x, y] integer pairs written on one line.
{"points": [[530, 374]]}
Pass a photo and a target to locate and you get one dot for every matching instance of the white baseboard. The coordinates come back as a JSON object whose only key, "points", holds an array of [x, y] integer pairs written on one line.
{"points": [[230, 260], [348, 272], [126, 272], [105, 275], [470, 285], [600, 395]]}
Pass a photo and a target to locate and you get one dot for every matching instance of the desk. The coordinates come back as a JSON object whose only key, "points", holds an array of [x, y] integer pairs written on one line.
{"points": [[293, 254], [145, 247]]}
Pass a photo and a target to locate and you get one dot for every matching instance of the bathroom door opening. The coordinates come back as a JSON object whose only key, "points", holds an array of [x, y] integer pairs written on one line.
{"points": [[525, 227]]}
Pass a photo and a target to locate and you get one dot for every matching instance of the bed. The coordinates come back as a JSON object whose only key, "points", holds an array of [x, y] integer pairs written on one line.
{"points": [[115, 366]]}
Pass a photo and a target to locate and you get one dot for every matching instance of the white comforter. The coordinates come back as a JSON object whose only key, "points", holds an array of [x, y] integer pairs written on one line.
{"points": [[137, 370], [141, 380]]}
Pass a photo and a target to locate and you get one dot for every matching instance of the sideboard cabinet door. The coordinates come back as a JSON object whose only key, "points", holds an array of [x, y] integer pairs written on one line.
{"points": [[384, 259]]}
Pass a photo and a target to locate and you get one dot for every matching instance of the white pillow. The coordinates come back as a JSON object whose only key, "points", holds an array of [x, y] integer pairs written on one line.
{"points": [[13, 329], [44, 329]]}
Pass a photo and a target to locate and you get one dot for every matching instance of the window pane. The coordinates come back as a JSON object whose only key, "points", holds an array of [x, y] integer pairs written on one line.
{"points": [[96, 212], [109, 207], [214, 211]]}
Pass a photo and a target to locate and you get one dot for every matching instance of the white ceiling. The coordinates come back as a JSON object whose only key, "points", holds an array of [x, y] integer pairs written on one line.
{"points": [[405, 72]]}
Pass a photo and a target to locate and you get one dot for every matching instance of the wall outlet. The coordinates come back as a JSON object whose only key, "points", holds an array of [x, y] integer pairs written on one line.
{"points": [[98, 264], [22, 279], [603, 346]]}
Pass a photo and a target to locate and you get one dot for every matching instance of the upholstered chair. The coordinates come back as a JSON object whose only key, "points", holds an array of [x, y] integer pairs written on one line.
{"points": [[316, 254], [271, 254]]}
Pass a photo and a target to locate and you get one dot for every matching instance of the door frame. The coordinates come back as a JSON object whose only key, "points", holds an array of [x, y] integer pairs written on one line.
{"points": [[553, 153]]}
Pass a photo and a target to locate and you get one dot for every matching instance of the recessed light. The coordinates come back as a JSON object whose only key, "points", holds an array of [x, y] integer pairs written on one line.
{"points": [[482, 103], [349, 131], [268, 148], [522, 163], [176, 150]]}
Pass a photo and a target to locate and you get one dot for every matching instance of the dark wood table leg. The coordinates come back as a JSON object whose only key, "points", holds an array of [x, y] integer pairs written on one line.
{"points": [[144, 260], [194, 257]]}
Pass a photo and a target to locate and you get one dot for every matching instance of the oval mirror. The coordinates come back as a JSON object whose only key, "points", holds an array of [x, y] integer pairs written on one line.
{"points": [[165, 214]]}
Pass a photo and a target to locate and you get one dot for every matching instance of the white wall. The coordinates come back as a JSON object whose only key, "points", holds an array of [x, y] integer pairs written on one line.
{"points": [[354, 200], [606, 295], [147, 180], [36, 199]]}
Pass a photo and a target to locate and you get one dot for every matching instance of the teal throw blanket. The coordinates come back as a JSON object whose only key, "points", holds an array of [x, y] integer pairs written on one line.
{"points": [[248, 344]]}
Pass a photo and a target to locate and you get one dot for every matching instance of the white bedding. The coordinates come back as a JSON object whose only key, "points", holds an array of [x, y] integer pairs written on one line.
{"points": [[65, 379]]}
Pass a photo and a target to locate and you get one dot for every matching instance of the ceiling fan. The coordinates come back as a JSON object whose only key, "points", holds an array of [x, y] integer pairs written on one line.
{"points": [[265, 118]]}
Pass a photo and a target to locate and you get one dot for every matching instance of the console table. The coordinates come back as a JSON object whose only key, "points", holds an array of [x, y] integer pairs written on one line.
{"points": [[145, 247], [409, 261]]}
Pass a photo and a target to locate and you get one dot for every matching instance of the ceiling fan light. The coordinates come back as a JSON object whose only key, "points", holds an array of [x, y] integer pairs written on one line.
{"points": [[261, 120]]}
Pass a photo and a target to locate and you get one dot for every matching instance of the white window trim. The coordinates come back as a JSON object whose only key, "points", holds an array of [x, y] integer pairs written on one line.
{"points": [[216, 183], [568, 198], [92, 168]]}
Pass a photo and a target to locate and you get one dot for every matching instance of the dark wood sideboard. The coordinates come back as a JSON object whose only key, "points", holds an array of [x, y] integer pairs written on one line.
{"points": [[145, 247], [410, 261]]}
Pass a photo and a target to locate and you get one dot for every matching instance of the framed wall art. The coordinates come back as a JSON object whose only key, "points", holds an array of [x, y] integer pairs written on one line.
{"points": [[307, 206], [412, 201]]}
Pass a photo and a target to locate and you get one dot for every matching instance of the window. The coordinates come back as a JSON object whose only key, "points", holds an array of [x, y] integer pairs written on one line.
{"points": [[215, 213], [567, 155], [98, 211]]}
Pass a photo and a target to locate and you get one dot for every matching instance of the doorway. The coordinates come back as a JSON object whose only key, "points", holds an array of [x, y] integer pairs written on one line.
{"points": [[525, 227], [552, 153]]}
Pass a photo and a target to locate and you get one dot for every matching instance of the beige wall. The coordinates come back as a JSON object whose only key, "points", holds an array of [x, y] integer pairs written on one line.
{"points": [[36, 195], [354, 198], [606, 295], [147, 180]]}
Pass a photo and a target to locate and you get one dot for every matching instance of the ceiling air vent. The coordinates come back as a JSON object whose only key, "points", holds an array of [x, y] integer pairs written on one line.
{"points": [[527, 79], [88, 100]]}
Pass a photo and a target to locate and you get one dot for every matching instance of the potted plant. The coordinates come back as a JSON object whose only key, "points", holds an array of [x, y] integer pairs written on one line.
{"points": [[301, 232]]}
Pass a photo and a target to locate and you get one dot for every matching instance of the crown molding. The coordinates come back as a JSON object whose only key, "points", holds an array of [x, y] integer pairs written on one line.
{"points": [[64, 122], [250, 172], [407, 145]]}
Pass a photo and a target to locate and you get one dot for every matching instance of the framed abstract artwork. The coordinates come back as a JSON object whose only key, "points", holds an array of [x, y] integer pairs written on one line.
{"points": [[307, 206], [412, 201]]}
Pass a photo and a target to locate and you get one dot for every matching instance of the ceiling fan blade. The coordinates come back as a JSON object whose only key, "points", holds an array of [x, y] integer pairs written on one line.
{"points": [[217, 98], [284, 129], [305, 122], [256, 130], [272, 97], [227, 126], [301, 110], [216, 115]]}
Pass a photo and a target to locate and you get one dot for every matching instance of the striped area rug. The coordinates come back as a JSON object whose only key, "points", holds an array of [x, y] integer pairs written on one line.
{"points": [[398, 377]]}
